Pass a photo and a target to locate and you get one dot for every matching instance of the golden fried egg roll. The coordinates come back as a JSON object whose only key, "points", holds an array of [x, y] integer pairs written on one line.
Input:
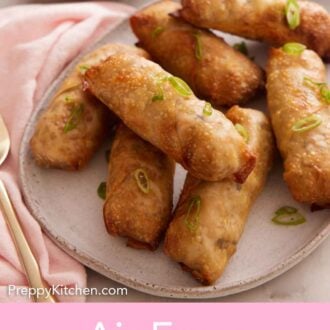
{"points": [[210, 216], [139, 190], [275, 22], [74, 124], [215, 71], [163, 110], [298, 101]]}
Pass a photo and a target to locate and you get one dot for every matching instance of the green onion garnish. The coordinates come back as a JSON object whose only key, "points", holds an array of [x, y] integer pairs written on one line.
{"points": [[323, 87], [286, 210], [312, 83], [180, 86], [288, 216], [242, 48], [306, 124], [243, 132], [207, 110], [198, 46], [293, 48], [68, 99], [292, 13], [142, 180], [325, 93], [102, 190], [192, 217], [158, 97], [74, 118], [83, 68], [157, 31]]}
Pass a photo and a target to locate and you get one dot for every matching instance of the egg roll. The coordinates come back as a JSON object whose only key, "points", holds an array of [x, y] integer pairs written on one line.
{"points": [[162, 110], [210, 216], [74, 123], [300, 113], [214, 70], [275, 22], [139, 190]]}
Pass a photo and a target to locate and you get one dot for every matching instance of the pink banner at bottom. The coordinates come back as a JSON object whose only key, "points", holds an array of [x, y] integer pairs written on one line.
{"points": [[174, 316]]}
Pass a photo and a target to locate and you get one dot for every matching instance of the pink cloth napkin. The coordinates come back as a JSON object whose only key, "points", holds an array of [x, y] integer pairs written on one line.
{"points": [[36, 42]]}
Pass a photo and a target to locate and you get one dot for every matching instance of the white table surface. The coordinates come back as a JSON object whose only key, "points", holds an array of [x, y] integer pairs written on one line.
{"points": [[306, 282]]}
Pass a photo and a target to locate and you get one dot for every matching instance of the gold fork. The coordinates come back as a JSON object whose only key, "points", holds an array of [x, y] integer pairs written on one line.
{"points": [[24, 251]]}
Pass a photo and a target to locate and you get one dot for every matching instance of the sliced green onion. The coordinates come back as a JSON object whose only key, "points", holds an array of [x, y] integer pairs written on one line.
{"points": [[180, 86], [306, 124], [325, 93], [74, 118], [68, 99], [192, 217], [294, 48], [286, 210], [312, 83], [157, 31], [102, 190], [207, 110], [243, 132], [289, 219], [242, 48], [198, 46], [142, 180], [323, 87], [158, 97], [163, 79], [288, 216], [292, 13], [83, 68]]}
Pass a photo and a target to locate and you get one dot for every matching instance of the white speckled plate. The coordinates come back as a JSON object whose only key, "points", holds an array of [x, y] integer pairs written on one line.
{"points": [[69, 210]]}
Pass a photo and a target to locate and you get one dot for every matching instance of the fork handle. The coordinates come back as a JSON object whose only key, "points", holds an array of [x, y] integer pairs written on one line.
{"points": [[25, 254]]}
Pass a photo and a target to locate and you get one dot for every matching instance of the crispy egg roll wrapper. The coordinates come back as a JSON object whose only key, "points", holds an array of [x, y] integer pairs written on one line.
{"points": [[306, 154], [214, 70], [263, 20], [206, 248], [56, 144], [207, 146], [129, 211]]}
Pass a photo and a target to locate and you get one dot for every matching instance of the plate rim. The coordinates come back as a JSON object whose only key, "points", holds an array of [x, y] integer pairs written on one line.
{"points": [[202, 292]]}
